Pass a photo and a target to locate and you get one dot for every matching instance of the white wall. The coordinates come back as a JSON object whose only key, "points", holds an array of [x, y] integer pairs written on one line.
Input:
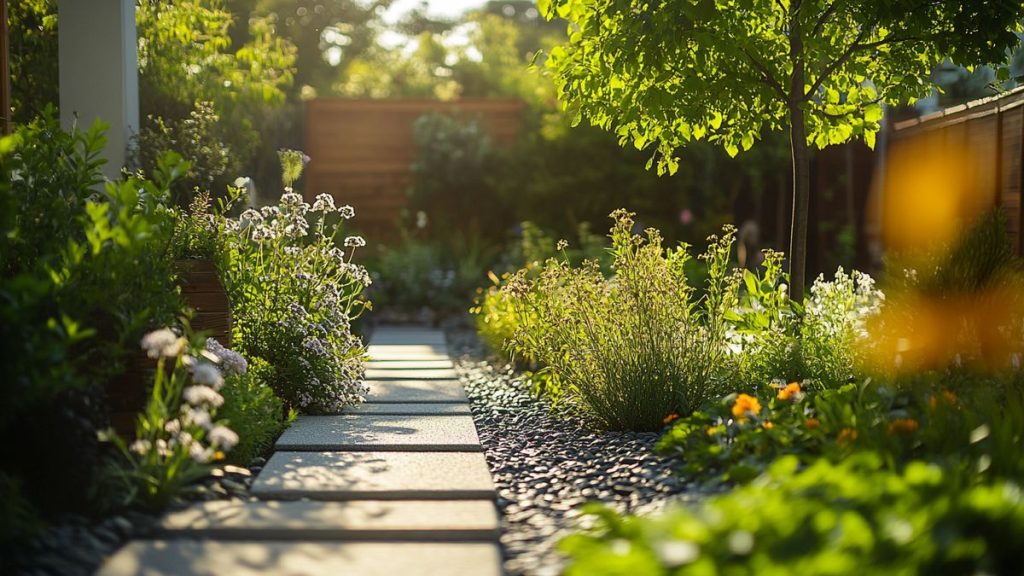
{"points": [[99, 76]]}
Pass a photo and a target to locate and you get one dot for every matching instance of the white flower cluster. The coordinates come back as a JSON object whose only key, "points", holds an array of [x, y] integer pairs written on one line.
{"points": [[843, 306], [200, 400]]}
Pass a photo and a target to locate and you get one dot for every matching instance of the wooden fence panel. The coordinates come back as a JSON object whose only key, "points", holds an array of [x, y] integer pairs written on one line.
{"points": [[990, 132], [362, 150]]}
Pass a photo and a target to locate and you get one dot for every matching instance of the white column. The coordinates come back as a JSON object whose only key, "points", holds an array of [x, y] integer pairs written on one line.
{"points": [[99, 72]]}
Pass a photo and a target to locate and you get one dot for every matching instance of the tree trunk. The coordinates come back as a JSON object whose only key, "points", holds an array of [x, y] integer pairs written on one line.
{"points": [[801, 162], [801, 203]]}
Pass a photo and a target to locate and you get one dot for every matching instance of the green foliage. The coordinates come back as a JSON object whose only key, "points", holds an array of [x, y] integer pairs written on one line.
{"points": [[421, 274], [187, 55], [852, 517], [450, 181], [253, 411], [639, 347], [200, 138], [32, 25], [178, 434]]}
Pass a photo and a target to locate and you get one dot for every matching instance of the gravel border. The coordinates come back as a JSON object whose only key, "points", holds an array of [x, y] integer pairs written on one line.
{"points": [[545, 467]]}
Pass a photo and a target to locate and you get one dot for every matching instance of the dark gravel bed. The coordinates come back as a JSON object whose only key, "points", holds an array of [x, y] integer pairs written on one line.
{"points": [[546, 467], [77, 545]]}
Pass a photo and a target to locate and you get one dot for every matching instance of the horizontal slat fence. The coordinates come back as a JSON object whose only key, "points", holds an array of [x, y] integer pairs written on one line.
{"points": [[362, 150], [992, 130]]}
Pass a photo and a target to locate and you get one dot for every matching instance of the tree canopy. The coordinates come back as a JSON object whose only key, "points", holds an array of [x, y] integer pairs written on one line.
{"points": [[664, 73]]}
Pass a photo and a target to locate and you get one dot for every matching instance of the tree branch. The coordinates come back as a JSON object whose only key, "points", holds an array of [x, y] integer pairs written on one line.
{"points": [[824, 17], [768, 78], [835, 64]]}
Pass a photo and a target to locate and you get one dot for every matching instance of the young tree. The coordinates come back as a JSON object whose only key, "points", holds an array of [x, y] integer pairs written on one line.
{"points": [[664, 73]]}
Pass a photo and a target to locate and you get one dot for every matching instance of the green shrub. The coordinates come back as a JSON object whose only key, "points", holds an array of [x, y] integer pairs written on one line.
{"points": [[84, 273], [636, 348], [850, 518], [253, 411]]}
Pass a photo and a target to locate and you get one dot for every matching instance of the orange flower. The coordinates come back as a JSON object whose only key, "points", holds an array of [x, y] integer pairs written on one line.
{"points": [[768, 425], [790, 392], [947, 397], [847, 436], [812, 423], [745, 405], [670, 418], [903, 426]]}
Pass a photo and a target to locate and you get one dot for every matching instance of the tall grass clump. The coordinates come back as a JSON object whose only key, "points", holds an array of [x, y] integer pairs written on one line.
{"points": [[636, 349]]}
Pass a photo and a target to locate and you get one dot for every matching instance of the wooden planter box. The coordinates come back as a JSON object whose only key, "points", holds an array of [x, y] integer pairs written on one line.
{"points": [[202, 291]]}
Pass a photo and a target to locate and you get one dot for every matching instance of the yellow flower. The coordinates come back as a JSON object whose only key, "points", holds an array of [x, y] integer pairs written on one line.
{"points": [[713, 430], [903, 426], [745, 404], [768, 425], [790, 392]]}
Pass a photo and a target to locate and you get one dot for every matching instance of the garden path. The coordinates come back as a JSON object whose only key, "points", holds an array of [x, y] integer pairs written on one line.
{"points": [[396, 486]]}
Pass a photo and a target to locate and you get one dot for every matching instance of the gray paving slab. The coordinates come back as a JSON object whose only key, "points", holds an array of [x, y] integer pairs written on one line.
{"points": [[394, 520], [217, 558], [410, 408], [413, 374], [373, 432], [409, 364], [406, 335], [375, 476], [415, 391], [407, 352]]}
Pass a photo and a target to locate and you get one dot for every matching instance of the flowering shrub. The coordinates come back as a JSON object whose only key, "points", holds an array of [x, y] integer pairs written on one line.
{"points": [[178, 435], [635, 348], [294, 293]]}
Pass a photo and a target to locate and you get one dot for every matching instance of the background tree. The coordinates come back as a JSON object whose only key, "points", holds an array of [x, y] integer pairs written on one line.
{"points": [[666, 73]]}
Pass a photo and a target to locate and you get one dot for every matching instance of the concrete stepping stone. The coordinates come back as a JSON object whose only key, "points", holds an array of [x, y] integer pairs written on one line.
{"points": [[218, 558], [409, 364], [371, 432], [415, 391], [363, 520], [410, 408], [412, 374], [407, 352], [375, 476], [407, 335]]}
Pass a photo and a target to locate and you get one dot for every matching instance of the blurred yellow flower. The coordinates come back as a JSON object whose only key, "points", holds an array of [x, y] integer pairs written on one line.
{"points": [[812, 423], [790, 392], [847, 436], [744, 406]]}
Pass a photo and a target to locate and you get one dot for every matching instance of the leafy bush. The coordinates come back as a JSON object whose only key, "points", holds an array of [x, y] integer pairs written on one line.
{"points": [[178, 435], [64, 243], [852, 517], [294, 293], [198, 138], [637, 348], [253, 411]]}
